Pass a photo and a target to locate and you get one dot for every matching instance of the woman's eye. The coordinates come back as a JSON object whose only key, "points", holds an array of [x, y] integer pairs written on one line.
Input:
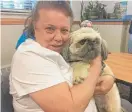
{"points": [[50, 30], [65, 31]]}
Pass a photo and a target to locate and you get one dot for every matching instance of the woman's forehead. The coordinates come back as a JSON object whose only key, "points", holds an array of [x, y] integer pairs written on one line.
{"points": [[53, 17]]}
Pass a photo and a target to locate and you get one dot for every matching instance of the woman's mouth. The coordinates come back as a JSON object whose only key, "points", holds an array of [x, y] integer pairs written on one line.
{"points": [[57, 48], [57, 45]]}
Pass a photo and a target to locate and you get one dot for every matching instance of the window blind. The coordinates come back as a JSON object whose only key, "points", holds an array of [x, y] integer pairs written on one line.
{"points": [[16, 5]]}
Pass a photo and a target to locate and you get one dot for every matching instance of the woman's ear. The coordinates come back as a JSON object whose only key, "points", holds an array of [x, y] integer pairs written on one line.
{"points": [[34, 25], [104, 50]]}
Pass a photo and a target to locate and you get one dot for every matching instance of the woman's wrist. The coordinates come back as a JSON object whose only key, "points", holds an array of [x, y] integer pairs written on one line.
{"points": [[95, 70]]}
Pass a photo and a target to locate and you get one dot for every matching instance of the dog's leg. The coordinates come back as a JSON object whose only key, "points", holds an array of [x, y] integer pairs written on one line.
{"points": [[109, 102]]}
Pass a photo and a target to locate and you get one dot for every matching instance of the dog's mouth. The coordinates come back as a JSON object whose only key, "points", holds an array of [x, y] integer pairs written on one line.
{"points": [[91, 48], [90, 55], [89, 52]]}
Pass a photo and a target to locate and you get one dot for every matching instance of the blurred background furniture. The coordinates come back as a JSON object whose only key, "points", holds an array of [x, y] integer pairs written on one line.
{"points": [[6, 98], [121, 65]]}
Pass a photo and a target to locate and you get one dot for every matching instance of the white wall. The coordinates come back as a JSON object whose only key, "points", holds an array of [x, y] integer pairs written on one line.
{"points": [[9, 37], [116, 36], [129, 8], [76, 8]]}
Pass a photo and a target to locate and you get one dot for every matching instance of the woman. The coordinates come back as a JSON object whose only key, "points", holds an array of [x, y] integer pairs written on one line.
{"points": [[40, 79]]}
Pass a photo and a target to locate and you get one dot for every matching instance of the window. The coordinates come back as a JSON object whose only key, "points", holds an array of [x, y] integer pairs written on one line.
{"points": [[16, 5]]}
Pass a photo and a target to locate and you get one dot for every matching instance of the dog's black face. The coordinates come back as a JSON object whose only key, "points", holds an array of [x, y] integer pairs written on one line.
{"points": [[88, 48], [86, 44]]}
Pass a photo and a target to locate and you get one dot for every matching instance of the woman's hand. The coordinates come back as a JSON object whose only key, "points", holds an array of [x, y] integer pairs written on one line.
{"points": [[104, 84], [96, 65]]}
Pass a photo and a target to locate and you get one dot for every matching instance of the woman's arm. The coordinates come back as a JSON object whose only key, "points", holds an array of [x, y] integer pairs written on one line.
{"points": [[62, 98], [105, 81], [104, 84]]}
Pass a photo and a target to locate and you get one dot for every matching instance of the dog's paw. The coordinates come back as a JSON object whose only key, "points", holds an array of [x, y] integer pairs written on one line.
{"points": [[78, 79]]}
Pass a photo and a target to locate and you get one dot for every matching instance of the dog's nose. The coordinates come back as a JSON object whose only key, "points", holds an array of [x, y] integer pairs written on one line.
{"points": [[90, 42]]}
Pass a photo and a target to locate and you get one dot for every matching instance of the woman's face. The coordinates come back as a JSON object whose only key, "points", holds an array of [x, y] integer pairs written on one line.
{"points": [[52, 29]]}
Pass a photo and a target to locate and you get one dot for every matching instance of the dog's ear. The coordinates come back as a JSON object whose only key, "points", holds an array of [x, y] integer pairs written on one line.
{"points": [[104, 50], [66, 52]]}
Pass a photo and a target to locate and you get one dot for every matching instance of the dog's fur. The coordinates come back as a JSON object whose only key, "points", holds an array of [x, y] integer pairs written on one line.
{"points": [[85, 45]]}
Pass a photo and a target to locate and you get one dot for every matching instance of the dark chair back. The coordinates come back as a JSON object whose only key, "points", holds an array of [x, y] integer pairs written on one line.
{"points": [[6, 98]]}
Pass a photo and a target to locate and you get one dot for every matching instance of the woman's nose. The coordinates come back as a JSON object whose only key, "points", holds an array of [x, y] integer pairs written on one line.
{"points": [[58, 36]]}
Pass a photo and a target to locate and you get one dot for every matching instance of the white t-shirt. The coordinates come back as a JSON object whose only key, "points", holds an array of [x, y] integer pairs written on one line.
{"points": [[35, 68]]}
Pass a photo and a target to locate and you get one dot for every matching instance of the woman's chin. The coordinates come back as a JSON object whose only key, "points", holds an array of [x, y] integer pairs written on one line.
{"points": [[56, 49]]}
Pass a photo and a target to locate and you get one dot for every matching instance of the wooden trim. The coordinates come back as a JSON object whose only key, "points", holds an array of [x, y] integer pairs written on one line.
{"points": [[12, 21], [126, 22], [19, 21], [76, 22], [111, 23]]}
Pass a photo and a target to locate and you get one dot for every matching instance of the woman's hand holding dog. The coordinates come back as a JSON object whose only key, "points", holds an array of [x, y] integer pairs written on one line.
{"points": [[96, 65]]}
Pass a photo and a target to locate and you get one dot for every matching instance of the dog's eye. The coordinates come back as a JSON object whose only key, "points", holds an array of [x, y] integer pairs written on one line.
{"points": [[82, 42], [94, 41]]}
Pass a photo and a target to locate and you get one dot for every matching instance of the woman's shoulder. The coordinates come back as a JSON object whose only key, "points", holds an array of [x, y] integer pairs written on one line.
{"points": [[31, 45], [30, 48]]}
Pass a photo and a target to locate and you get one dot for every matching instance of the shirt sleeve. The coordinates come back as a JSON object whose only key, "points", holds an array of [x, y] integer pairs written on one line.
{"points": [[31, 72]]}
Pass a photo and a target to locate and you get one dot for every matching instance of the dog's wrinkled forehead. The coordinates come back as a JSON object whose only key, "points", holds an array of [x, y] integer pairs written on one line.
{"points": [[84, 33]]}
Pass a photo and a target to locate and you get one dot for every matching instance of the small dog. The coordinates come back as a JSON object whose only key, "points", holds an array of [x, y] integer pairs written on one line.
{"points": [[85, 45]]}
